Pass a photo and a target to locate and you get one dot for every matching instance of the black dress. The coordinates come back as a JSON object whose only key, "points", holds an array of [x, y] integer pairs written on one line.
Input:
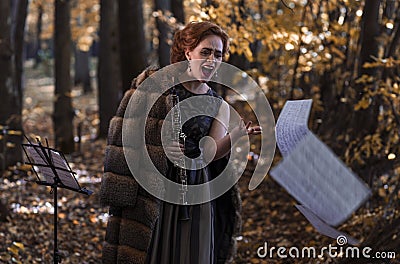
{"points": [[178, 239]]}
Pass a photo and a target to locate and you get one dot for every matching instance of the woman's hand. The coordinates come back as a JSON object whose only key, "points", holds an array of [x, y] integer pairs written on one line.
{"points": [[254, 130], [224, 143], [246, 129], [174, 151]]}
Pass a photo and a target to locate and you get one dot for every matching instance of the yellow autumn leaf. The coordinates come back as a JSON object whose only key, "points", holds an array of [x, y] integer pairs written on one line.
{"points": [[19, 245], [13, 250], [362, 104]]}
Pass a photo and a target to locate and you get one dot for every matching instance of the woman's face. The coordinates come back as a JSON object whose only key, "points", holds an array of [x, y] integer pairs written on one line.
{"points": [[205, 58]]}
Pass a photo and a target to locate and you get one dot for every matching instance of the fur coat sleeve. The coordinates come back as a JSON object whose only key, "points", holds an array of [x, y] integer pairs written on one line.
{"points": [[133, 211]]}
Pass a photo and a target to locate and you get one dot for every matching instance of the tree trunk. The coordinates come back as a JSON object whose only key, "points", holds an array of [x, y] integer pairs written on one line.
{"points": [[370, 31], [10, 107], [132, 40], [82, 71], [63, 112], [20, 9], [391, 51], [38, 44], [8, 94], [164, 33], [4, 212], [109, 77], [364, 121], [20, 12], [6, 81], [178, 10], [235, 59]]}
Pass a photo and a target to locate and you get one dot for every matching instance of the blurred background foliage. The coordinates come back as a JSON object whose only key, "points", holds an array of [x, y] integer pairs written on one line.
{"points": [[344, 54]]}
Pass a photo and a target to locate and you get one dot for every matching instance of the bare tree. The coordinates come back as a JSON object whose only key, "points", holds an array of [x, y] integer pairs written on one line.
{"points": [[38, 43], [11, 46], [7, 91], [131, 40], [19, 17], [109, 78], [4, 212], [63, 113], [164, 33], [239, 61], [365, 119], [370, 28], [81, 55], [12, 25], [82, 71], [178, 10]]}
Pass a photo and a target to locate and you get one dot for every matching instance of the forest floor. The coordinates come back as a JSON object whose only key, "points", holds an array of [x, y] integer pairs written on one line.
{"points": [[269, 215]]}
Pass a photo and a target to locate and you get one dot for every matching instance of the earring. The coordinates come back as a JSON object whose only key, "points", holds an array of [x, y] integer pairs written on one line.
{"points": [[216, 74], [189, 67]]}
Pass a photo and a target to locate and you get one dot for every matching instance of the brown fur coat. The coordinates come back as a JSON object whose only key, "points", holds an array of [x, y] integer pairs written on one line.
{"points": [[133, 211]]}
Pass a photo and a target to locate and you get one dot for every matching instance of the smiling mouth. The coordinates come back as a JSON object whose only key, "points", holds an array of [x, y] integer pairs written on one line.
{"points": [[207, 70]]}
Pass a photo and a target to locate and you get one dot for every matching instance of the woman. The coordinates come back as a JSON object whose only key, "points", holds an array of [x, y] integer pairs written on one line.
{"points": [[142, 229]]}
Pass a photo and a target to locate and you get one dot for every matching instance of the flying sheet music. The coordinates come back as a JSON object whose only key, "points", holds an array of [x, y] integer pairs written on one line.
{"points": [[42, 157], [323, 227], [311, 172], [292, 125]]}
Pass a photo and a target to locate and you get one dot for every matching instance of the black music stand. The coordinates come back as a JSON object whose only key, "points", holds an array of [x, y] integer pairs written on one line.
{"points": [[56, 173]]}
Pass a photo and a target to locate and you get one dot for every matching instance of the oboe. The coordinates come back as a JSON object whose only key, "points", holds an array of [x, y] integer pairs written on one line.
{"points": [[179, 136]]}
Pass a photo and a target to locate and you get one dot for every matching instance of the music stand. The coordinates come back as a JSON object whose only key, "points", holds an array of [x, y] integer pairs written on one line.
{"points": [[56, 173]]}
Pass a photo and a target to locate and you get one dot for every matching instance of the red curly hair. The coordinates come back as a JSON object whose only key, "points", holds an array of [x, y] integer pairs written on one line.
{"points": [[191, 35]]}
